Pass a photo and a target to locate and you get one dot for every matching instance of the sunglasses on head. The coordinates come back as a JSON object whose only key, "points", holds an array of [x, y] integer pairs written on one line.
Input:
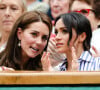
{"points": [[84, 11]]}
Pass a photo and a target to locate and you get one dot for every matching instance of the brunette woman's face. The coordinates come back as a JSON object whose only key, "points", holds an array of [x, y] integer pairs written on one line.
{"points": [[33, 39], [62, 37]]}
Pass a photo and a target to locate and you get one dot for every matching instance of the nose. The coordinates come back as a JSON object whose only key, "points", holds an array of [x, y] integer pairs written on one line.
{"points": [[58, 36], [55, 3], [7, 12], [39, 40]]}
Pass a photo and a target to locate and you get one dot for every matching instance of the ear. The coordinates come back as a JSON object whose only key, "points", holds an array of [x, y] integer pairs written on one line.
{"points": [[82, 37], [19, 33]]}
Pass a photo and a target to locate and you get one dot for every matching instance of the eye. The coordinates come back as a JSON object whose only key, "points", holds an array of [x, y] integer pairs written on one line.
{"points": [[14, 7], [44, 38], [84, 11], [64, 31], [2, 7], [34, 34]]}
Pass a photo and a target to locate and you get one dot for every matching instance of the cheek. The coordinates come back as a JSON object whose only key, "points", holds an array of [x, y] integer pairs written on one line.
{"points": [[66, 38], [44, 45], [17, 15], [26, 40], [65, 6]]}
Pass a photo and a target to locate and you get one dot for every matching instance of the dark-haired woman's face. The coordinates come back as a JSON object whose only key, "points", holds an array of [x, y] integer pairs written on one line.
{"points": [[33, 39], [62, 37]]}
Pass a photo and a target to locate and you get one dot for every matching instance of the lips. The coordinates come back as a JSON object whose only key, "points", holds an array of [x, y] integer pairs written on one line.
{"points": [[34, 49], [7, 21], [56, 10], [59, 44]]}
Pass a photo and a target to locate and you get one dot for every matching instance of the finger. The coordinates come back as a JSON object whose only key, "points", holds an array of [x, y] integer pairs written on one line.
{"points": [[74, 56], [44, 54]]}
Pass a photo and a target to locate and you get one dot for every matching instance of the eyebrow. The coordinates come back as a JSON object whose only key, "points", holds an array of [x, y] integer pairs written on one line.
{"points": [[62, 28], [39, 32]]}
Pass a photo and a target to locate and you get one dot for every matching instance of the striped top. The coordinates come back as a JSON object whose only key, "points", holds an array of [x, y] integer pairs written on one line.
{"points": [[86, 63]]}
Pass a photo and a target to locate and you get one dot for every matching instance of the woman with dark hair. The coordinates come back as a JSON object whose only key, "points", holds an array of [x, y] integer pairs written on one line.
{"points": [[73, 36], [27, 41]]}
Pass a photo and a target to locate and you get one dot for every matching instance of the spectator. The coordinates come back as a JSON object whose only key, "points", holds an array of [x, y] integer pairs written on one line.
{"points": [[89, 8], [10, 10], [37, 5], [27, 41], [58, 7], [95, 42], [73, 36]]}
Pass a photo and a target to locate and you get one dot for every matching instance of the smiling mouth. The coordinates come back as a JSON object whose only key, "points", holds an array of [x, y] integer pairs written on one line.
{"points": [[35, 49]]}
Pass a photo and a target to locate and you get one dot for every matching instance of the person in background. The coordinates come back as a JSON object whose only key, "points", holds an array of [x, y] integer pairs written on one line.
{"points": [[73, 36], [34, 5], [89, 8], [58, 7], [95, 42], [28, 39], [10, 10]]}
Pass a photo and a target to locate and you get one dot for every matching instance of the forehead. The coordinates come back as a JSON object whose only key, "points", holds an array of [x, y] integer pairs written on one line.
{"points": [[39, 27], [59, 24], [77, 5], [11, 2], [60, 1]]}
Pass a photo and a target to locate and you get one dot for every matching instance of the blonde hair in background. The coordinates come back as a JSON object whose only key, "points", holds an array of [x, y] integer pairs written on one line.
{"points": [[24, 5]]}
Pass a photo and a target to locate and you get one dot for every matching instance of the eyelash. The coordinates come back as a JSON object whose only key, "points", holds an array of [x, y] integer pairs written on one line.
{"points": [[43, 38], [64, 31], [13, 8], [34, 34]]}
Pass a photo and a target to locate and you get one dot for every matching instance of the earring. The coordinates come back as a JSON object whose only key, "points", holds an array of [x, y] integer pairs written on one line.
{"points": [[19, 44]]}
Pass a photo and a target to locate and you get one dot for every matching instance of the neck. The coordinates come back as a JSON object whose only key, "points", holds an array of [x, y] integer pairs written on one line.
{"points": [[24, 59]]}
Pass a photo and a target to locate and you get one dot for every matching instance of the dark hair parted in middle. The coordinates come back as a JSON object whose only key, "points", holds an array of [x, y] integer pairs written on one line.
{"points": [[12, 55], [80, 23]]}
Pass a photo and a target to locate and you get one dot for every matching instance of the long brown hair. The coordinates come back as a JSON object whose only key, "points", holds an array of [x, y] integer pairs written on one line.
{"points": [[12, 55]]}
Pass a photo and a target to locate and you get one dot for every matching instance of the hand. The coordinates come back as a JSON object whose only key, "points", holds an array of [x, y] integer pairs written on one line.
{"points": [[46, 65], [97, 53], [72, 59], [3, 68], [53, 51]]}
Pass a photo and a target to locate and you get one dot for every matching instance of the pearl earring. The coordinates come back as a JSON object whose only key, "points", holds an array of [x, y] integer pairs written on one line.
{"points": [[19, 44]]}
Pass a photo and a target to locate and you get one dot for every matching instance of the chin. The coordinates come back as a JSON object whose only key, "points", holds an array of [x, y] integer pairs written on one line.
{"points": [[32, 56]]}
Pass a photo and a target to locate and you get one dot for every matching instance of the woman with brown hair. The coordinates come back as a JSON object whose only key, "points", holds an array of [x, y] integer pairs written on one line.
{"points": [[27, 41]]}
